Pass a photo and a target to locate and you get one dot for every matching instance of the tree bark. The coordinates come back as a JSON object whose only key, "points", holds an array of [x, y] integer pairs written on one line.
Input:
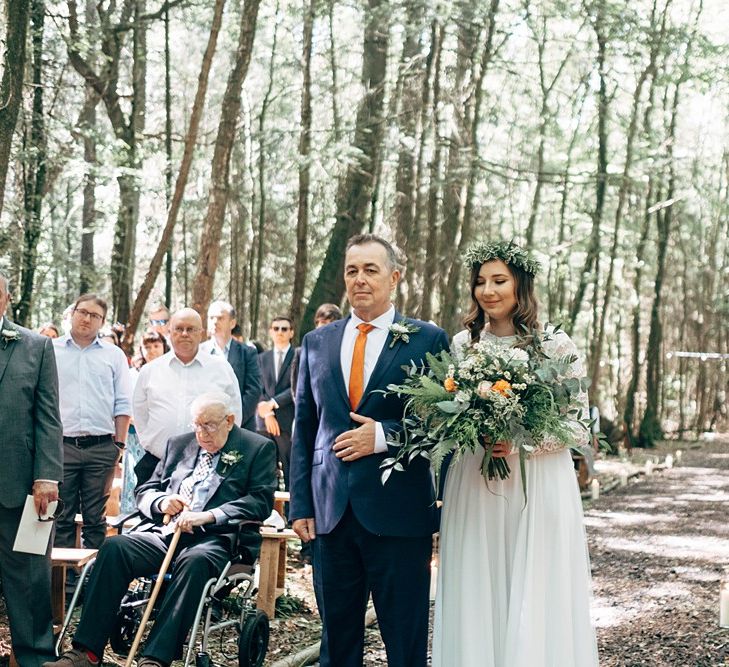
{"points": [[11, 83], [590, 268], [35, 171], [262, 161], [355, 196], [302, 220], [202, 287], [198, 107]]}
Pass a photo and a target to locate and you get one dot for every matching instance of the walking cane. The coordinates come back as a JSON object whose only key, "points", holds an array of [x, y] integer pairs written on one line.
{"points": [[155, 592]]}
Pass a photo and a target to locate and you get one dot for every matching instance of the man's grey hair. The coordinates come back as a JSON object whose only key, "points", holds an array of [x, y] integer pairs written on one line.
{"points": [[224, 306], [212, 399], [5, 281], [393, 259]]}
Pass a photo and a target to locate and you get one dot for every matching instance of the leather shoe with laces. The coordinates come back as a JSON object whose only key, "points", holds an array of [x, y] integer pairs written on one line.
{"points": [[73, 658]]}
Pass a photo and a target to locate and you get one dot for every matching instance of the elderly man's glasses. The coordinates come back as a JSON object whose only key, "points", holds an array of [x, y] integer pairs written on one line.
{"points": [[186, 330], [86, 313], [207, 427]]}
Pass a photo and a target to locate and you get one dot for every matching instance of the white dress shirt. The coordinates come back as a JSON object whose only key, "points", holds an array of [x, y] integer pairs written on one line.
{"points": [[211, 347], [94, 386], [166, 388], [375, 343]]}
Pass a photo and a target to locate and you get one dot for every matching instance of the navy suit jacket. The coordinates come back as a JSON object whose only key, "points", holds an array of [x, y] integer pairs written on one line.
{"points": [[244, 360], [322, 485], [279, 391]]}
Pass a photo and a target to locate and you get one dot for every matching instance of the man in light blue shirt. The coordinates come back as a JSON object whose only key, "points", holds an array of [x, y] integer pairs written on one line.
{"points": [[96, 407]]}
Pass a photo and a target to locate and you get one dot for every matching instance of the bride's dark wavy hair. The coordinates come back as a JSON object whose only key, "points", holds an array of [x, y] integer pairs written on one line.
{"points": [[526, 314]]}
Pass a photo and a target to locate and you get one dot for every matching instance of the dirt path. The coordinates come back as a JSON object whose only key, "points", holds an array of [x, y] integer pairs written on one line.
{"points": [[658, 548]]}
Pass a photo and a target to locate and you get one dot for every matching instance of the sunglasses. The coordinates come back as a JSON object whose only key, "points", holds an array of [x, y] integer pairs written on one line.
{"points": [[158, 323], [274, 328]]}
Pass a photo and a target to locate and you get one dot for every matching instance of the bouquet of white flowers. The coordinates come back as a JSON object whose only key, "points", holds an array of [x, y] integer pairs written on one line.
{"points": [[491, 394]]}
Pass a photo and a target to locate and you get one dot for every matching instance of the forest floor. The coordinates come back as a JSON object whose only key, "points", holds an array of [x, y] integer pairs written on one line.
{"points": [[658, 547]]}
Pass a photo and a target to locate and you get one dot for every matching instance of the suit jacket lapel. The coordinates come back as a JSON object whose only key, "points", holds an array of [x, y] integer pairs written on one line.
{"points": [[6, 348], [335, 359], [385, 360]]}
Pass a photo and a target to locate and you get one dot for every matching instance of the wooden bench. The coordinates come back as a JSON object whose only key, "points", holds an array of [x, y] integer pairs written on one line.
{"points": [[272, 567], [60, 560]]}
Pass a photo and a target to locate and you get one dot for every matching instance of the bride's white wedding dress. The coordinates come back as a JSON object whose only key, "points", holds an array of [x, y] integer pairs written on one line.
{"points": [[514, 580]]}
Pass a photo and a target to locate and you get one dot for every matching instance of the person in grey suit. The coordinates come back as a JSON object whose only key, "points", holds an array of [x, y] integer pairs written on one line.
{"points": [[243, 358], [30, 429], [209, 481]]}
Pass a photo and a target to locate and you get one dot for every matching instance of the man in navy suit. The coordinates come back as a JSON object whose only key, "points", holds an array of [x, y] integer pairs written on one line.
{"points": [[366, 536], [243, 358], [275, 416]]}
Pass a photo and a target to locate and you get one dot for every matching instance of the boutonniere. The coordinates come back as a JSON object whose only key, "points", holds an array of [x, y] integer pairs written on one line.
{"points": [[228, 460], [9, 336], [402, 330]]}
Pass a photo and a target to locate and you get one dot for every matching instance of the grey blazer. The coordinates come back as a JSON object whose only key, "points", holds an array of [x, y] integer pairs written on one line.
{"points": [[30, 424]]}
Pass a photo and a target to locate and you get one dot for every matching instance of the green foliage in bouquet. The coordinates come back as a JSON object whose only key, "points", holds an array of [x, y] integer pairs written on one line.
{"points": [[491, 394]]}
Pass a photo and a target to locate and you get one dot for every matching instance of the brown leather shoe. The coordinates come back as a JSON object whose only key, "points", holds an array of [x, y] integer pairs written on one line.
{"points": [[72, 658], [146, 661]]}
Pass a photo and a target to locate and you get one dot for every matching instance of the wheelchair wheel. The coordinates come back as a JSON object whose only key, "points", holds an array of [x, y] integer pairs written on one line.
{"points": [[124, 630], [253, 639]]}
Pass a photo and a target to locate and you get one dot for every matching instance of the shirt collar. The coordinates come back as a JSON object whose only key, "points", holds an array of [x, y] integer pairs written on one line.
{"points": [[284, 350], [381, 322], [201, 358], [224, 350], [67, 339]]}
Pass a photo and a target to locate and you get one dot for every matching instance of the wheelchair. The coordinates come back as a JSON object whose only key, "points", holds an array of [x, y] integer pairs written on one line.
{"points": [[226, 605]]}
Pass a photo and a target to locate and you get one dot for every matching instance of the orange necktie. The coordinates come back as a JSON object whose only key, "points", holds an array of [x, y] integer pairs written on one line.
{"points": [[356, 377]]}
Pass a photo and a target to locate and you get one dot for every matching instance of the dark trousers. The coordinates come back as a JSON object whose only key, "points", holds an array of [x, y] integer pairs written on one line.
{"points": [[26, 583], [125, 557], [283, 448], [350, 563], [88, 474]]}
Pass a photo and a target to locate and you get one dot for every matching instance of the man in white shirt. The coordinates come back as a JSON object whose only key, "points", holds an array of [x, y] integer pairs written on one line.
{"points": [[167, 387], [95, 401]]}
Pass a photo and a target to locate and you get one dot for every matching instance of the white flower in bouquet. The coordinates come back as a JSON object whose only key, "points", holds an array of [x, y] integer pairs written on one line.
{"points": [[484, 387]]}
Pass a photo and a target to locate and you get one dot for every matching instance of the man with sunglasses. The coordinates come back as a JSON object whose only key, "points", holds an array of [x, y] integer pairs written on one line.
{"points": [[159, 320], [96, 407], [212, 479], [275, 414], [167, 386], [32, 465]]}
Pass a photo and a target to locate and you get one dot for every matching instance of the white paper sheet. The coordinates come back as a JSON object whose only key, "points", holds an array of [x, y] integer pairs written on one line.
{"points": [[33, 535]]}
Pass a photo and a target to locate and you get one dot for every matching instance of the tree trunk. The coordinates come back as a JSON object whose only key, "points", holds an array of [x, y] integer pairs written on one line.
{"points": [[190, 140], [168, 154], [590, 268], [262, 155], [451, 303], [35, 171], [11, 83], [302, 221], [355, 196], [202, 288], [434, 188], [336, 115], [411, 74]]}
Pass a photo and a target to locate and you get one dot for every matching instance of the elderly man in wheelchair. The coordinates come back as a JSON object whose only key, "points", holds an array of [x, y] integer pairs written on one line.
{"points": [[216, 483]]}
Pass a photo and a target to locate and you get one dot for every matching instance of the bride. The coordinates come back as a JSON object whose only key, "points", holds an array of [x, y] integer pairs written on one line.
{"points": [[514, 579]]}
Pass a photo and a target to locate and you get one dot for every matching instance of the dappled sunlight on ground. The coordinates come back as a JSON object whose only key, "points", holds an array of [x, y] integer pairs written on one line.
{"points": [[658, 548]]}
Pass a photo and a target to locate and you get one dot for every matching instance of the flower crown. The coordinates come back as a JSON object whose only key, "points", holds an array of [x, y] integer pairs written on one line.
{"points": [[507, 251]]}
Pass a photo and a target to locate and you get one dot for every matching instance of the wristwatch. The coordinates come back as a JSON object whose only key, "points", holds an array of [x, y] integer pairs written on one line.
{"points": [[120, 444]]}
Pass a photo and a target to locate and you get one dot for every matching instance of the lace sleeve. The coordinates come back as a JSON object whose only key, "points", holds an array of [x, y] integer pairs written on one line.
{"points": [[561, 345], [460, 344]]}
